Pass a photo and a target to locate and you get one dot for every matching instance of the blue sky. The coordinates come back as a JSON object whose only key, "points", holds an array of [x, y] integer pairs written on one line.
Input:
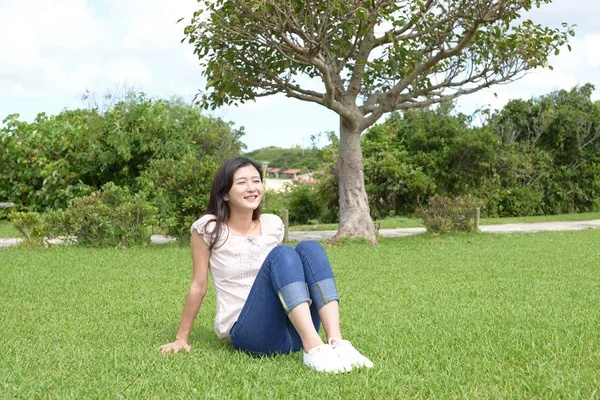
{"points": [[52, 51]]}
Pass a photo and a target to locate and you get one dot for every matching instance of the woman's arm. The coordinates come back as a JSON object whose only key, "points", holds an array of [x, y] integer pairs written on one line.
{"points": [[195, 295]]}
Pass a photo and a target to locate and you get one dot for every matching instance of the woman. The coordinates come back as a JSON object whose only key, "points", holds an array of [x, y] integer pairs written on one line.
{"points": [[271, 298]]}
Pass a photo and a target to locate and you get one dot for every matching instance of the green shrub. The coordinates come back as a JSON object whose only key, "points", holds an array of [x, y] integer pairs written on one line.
{"points": [[274, 202], [111, 217], [302, 204], [444, 215], [29, 224], [180, 189], [327, 195], [55, 159], [60, 224]]}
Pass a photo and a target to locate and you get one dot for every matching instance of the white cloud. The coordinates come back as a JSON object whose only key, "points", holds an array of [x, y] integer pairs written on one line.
{"points": [[592, 43], [65, 46], [261, 104], [582, 13], [129, 70]]}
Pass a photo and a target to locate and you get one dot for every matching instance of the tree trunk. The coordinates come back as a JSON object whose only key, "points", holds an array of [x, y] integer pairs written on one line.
{"points": [[355, 216]]}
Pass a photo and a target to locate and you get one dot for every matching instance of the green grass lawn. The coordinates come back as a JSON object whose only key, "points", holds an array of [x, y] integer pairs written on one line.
{"points": [[466, 316], [7, 230]]}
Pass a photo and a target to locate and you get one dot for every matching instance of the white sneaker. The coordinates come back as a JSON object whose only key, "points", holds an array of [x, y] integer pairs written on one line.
{"points": [[349, 355], [323, 359]]}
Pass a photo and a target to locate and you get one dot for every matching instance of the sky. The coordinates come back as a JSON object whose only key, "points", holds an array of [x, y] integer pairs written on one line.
{"points": [[53, 51]]}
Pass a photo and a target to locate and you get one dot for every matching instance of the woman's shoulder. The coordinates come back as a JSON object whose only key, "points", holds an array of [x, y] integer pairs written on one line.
{"points": [[271, 219], [272, 225], [200, 225]]}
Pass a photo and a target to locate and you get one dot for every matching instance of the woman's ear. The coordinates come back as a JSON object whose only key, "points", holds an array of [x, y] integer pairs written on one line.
{"points": [[225, 197]]}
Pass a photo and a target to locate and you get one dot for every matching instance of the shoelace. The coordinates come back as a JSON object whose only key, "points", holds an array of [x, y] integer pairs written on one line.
{"points": [[322, 349], [338, 342]]}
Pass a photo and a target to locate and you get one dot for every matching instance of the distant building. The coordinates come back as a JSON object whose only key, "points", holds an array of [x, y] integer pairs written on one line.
{"points": [[291, 173], [273, 172]]}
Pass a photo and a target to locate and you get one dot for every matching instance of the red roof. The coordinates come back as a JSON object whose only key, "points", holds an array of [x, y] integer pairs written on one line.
{"points": [[273, 170], [291, 171]]}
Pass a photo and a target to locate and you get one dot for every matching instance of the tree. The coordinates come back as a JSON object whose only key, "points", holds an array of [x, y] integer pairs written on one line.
{"points": [[566, 126], [372, 57], [565, 123], [295, 157]]}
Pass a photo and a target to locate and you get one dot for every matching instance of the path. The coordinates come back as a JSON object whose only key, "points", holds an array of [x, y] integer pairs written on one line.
{"points": [[324, 235], [504, 228]]}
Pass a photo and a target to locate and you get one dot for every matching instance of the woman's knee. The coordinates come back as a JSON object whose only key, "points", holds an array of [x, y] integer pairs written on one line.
{"points": [[285, 263], [313, 256], [309, 247], [284, 254]]}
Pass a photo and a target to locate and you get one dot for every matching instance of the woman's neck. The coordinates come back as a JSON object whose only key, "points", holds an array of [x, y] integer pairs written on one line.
{"points": [[242, 223]]}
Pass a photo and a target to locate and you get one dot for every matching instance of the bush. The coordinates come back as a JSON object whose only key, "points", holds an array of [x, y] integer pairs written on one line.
{"points": [[302, 204], [180, 189], [111, 217], [55, 159], [29, 224], [449, 215], [274, 202], [59, 224], [327, 195]]}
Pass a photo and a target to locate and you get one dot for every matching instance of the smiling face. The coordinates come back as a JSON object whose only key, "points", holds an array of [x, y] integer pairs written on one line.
{"points": [[246, 191]]}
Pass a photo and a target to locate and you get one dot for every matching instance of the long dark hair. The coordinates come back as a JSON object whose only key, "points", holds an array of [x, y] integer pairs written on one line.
{"points": [[221, 185]]}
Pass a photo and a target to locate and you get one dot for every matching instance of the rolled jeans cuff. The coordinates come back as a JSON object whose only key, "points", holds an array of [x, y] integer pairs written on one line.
{"points": [[323, 292], [293, 294]]}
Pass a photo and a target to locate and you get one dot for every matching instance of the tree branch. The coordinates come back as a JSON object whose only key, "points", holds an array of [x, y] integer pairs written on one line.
{"points": [[362, 57], [389, 99], [409, 101], [395, 34]]}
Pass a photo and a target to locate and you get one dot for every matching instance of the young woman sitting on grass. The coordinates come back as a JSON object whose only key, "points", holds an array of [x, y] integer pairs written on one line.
{"points": [[271, 298]]}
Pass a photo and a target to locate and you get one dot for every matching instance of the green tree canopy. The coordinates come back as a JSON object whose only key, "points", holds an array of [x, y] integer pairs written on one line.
{"points": [[295, 157]]}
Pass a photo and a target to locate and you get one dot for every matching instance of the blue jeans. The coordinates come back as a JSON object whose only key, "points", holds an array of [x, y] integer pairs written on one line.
{"points": [[287, 278]]}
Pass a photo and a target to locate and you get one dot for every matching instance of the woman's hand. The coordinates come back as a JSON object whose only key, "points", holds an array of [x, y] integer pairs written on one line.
{"points": [[175, 347]]}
